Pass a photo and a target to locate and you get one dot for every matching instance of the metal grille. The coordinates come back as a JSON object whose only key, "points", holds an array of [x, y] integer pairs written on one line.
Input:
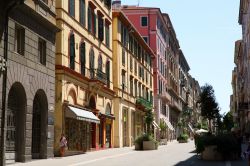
{"points": [[11, 130]]}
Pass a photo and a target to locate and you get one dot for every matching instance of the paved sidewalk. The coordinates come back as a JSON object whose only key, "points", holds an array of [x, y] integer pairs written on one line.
{"points": [[173, 154]]}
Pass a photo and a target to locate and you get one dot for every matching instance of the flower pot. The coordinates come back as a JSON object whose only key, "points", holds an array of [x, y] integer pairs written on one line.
{"points": [[149, 145]]}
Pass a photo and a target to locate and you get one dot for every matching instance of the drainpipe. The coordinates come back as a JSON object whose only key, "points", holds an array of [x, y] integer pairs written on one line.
{"points": [[6, 22]]}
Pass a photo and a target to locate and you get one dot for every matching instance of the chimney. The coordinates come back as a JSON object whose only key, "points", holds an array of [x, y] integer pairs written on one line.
{"points": [[116, 4]]}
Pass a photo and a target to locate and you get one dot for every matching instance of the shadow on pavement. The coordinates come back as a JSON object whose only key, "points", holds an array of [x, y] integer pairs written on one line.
{"points": [[196, 161]]}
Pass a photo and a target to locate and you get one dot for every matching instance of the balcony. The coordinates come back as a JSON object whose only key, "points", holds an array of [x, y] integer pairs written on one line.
{"points": [[166, 96], [98, 75], [143, 103]]}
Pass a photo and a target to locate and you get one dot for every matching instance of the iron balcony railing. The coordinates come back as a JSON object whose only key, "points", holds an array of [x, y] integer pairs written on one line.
{"points": [[143, 102], [96, 74]]}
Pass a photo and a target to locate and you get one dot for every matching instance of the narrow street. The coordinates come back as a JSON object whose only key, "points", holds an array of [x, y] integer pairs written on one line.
{"points": [[173, 154]]}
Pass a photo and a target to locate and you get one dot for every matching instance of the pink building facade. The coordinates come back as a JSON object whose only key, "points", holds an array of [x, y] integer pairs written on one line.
{"points": [[152, 25]]}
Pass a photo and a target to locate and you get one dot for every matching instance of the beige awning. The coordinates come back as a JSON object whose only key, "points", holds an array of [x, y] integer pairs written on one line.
{"points": [[81, 114]]}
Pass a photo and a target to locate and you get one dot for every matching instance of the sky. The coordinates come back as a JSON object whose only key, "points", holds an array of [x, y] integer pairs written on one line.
{"points": [[207, 31]]}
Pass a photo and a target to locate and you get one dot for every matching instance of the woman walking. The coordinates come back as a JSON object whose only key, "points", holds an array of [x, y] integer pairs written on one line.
{"points": [[63, 145]]}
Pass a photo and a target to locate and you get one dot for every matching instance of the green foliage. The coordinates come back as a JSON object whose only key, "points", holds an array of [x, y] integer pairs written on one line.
{"points": [[208, 104], [226, 143], [149, 118], [183, 137], [145, 137], [228, 122], [163, 127]]}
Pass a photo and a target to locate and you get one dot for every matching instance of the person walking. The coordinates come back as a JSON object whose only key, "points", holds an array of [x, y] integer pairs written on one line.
{"points": [[63, 145]]}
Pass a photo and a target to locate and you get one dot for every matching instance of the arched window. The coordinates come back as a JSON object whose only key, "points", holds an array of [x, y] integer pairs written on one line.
{"points": [[100, 63], [108, 73], [72, 50], [82, 58], [92, 63]]}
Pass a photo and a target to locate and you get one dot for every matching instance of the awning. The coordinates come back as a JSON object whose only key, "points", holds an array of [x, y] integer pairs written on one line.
{"points": [[156, 125], [81, 114], [169, 124]]}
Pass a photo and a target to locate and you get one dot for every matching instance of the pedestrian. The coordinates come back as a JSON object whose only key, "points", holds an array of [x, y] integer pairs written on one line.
{"points": [[247, 153], [63, 145]]}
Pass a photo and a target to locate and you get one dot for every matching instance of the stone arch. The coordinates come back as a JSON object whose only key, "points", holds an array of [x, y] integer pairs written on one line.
{"points": [[16, 123], [39, 125]]}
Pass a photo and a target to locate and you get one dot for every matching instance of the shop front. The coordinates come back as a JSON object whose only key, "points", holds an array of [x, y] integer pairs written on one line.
{"points": [[79, 124]]}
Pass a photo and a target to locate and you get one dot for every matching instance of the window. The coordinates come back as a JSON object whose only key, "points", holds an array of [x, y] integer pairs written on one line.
{"points": [[131, 86], [108, 3], [131, 63], [72, 8], [135, 67], [144, 21], [100, 28], [123, 79], [42, 51], [107, 35], [131, 41], [91, 20], [145, 38], [123, 57], [91, 63], [82, 12], [82, 58], [19, 39], [100, 63], [108, 73], [72, 51], [135, 85]]}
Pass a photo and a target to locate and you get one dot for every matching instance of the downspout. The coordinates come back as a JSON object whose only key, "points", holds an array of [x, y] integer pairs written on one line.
{"points": [[6, 22]]}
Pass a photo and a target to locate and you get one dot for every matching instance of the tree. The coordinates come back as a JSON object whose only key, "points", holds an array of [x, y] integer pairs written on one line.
{"points": [[149, 118], [209, 106], [228, 123]]}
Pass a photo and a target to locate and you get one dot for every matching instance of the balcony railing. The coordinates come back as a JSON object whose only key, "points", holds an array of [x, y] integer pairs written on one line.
{"points": [[144, 103], [96, 74]]}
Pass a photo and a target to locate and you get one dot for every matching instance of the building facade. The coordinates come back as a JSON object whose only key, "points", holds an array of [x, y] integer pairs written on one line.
{"points": [[133, 80], [30, 81], [84, 79], [148, 20]]}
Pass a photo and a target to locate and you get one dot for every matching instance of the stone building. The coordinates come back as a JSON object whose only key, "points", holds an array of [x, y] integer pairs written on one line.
{"points": [[133, 80], [30, 81], [84, 79]]}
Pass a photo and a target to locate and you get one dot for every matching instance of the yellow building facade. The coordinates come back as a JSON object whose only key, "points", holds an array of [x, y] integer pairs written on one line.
{"points": [[133, 80], [84, 88]]}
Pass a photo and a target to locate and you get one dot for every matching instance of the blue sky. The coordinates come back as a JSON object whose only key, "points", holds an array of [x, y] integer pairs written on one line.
{"points": [[206, 31]]}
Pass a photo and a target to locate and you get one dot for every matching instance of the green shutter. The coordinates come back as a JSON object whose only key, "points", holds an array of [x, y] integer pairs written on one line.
{"points": [[89, 19], [94, 23]]}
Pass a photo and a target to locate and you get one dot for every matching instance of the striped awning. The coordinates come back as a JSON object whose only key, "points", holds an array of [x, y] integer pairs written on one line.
{"points": [[81, 114]]}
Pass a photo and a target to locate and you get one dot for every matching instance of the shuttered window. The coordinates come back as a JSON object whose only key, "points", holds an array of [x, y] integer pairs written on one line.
{"points": [[83, 58], [82, 12], [72, 51], [72, 8]]}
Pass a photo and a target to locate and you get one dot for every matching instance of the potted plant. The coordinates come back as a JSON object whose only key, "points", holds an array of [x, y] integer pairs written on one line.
{"points": [[183, 138]]}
